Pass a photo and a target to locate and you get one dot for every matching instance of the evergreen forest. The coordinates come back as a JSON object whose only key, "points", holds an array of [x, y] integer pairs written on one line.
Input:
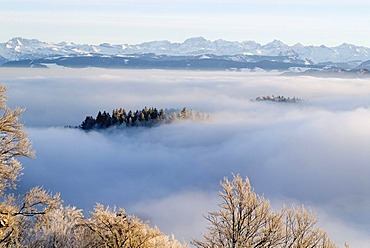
{"points": [[147, 117]]}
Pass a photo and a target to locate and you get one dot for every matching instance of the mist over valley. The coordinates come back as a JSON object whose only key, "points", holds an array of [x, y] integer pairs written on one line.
{"points": [[312, 152]]}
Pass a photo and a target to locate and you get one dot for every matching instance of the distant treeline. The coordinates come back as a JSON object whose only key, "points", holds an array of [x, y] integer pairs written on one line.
{"points": [[146, 117], [273, 98]]}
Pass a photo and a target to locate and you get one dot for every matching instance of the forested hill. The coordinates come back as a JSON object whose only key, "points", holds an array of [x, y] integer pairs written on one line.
{"points": [[147, 117]]}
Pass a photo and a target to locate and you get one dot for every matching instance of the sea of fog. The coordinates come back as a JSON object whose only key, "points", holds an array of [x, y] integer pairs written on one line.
{"points": [[315, 152]]}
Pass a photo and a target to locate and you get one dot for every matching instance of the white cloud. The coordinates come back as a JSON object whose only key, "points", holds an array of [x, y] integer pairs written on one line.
{"points": [[180, 214]]}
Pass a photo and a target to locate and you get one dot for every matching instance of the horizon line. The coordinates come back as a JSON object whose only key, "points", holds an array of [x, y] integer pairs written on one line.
{"points": [[177, 42]]}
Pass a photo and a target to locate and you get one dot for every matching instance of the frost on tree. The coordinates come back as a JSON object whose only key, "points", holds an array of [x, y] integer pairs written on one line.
{"points": [[245, 219], [13, 143], [15, 210]]}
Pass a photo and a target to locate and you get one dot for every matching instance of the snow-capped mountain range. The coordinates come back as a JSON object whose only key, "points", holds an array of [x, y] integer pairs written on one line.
{"points": [[21, 49]]}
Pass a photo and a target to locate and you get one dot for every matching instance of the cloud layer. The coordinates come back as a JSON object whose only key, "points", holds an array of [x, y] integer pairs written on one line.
{"points": [[314, 152]]}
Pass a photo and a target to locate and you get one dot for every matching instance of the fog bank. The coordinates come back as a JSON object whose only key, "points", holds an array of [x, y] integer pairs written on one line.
{"points": [[314, 152]]}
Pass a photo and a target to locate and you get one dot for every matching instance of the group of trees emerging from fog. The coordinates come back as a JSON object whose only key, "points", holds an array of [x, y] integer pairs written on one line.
{"points": [[38, 218], [146, 117], [273, 98]]}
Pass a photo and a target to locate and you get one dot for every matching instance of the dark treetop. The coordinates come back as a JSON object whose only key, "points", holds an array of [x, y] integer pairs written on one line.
{"points": [[147, 117]]}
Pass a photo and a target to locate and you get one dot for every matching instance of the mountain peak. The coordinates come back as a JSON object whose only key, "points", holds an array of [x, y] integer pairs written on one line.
{"points": [[199, 39], [21, 40], [298, 45], [346, 45], [21, 48], [276, 43], [105, 44]]}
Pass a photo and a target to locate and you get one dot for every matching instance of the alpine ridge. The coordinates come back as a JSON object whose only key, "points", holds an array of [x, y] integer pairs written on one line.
{"points": [[22, 49]]}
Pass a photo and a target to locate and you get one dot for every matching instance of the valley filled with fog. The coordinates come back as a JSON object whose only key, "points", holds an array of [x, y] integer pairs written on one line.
{"points": [[313, 152]]}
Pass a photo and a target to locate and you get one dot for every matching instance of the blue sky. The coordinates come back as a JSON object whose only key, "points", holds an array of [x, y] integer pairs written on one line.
{"points": [[312, 22]]}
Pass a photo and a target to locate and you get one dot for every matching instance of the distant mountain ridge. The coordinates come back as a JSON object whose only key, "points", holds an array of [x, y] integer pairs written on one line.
{"points": [[29, 49]]}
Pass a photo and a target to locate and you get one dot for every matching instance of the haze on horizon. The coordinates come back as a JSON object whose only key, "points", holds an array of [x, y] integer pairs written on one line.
{"points": [[131, 22]]}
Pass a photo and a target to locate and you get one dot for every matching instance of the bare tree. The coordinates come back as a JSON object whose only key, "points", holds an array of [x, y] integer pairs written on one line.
{"points": [[14, 209], [60, 227], [107, 227], [245, 219], [13, 143], [112, 228], [301, 231]]}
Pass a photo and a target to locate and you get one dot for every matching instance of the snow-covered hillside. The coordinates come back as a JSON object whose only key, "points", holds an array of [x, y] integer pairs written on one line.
{"points": [[20, 48]]}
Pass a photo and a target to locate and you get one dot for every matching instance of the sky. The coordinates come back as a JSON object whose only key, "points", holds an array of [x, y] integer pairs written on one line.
{"points": [[311, 22], [314, 152]]}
